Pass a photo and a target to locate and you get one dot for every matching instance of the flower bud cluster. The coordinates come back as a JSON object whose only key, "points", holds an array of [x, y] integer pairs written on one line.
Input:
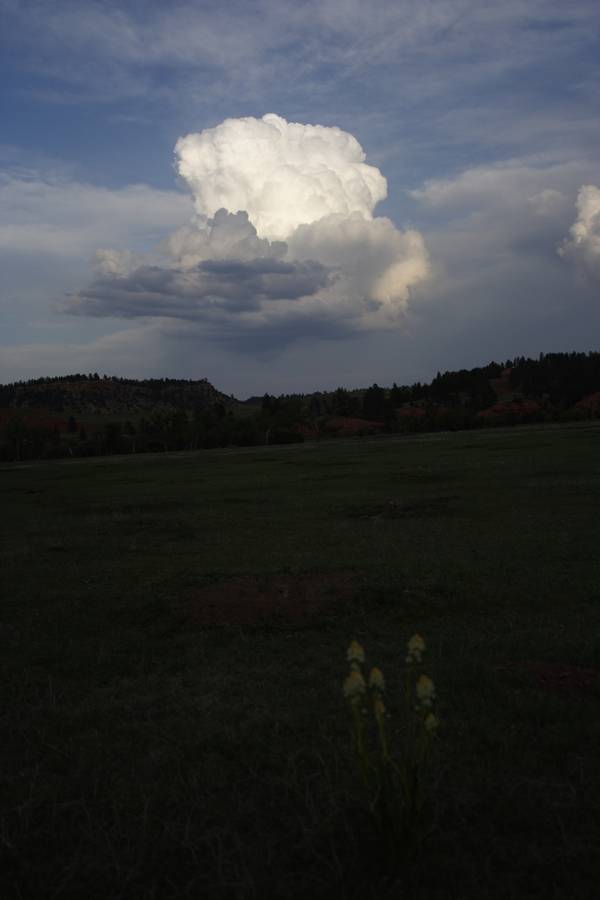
{"points": [[354, 686], [376, 680], [431, 723], [416, 648], [355, 655], [425, 691]]}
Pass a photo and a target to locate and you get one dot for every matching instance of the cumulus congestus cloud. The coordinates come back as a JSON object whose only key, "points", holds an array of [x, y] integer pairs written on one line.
{"points": [[583, 244], [283, 241], [283, 174]]}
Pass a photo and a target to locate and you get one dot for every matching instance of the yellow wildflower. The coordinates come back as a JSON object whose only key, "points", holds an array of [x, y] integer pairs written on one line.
{"points": [[416, 648], [354, 686], [376, 680], [416, 643], [431, 722], [355, 653], [425, 690]]}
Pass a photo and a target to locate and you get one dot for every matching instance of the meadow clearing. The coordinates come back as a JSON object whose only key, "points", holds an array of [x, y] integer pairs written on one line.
{"points": [[174, 631]]}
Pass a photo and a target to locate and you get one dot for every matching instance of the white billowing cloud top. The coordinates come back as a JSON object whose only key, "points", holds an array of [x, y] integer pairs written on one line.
{"points": [[284, 244], [283, 174], [583, 245]]}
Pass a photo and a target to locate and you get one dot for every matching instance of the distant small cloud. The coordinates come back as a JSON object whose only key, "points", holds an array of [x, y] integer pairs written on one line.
{"points": [[498, 287]]}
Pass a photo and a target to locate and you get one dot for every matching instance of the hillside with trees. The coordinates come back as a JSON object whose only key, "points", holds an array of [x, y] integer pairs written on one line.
{"points": [[94, 395], [90, 415]]}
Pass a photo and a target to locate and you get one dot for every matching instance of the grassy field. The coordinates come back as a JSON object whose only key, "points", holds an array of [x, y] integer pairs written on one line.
{"points": [[160, 740]]}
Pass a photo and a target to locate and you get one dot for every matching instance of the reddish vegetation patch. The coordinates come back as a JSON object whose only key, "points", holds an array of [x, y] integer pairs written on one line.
{"points": [[347, 427], [591, 402], [32, 419], [8, 415], [516, 410], [501, 386], [307, 430], [248, 600], [411, 412]]}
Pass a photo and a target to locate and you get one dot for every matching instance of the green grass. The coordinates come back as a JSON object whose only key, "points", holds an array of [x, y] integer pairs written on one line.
{"points": [[145, 756]]}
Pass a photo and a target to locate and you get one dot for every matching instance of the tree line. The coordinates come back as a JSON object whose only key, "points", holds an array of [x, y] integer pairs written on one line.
{"points": [[553, 387]]}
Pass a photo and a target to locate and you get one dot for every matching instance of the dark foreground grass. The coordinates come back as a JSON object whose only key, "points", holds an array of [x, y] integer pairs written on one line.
{"points": [[146, 756]]}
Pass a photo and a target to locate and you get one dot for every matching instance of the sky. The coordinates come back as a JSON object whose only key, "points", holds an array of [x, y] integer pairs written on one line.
{"points": [[293, 195]]}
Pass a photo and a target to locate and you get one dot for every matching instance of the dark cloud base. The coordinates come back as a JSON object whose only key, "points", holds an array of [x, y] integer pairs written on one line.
{"points": [[224, 287]]}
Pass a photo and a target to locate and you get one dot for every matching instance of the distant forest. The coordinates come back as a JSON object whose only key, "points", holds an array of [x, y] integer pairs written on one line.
{"points": [[91, 415]]}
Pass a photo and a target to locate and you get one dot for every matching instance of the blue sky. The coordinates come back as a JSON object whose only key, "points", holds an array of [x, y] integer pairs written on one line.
{"points": [[483, 118]]}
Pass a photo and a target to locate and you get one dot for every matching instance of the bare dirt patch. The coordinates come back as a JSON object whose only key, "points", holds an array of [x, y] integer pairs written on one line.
{"points": [[397, 509], [559, 677], [252, 600], [562, 677]]}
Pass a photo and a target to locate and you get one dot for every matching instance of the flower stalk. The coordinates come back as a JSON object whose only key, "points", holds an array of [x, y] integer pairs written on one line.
{"points": [[393, 777]]}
